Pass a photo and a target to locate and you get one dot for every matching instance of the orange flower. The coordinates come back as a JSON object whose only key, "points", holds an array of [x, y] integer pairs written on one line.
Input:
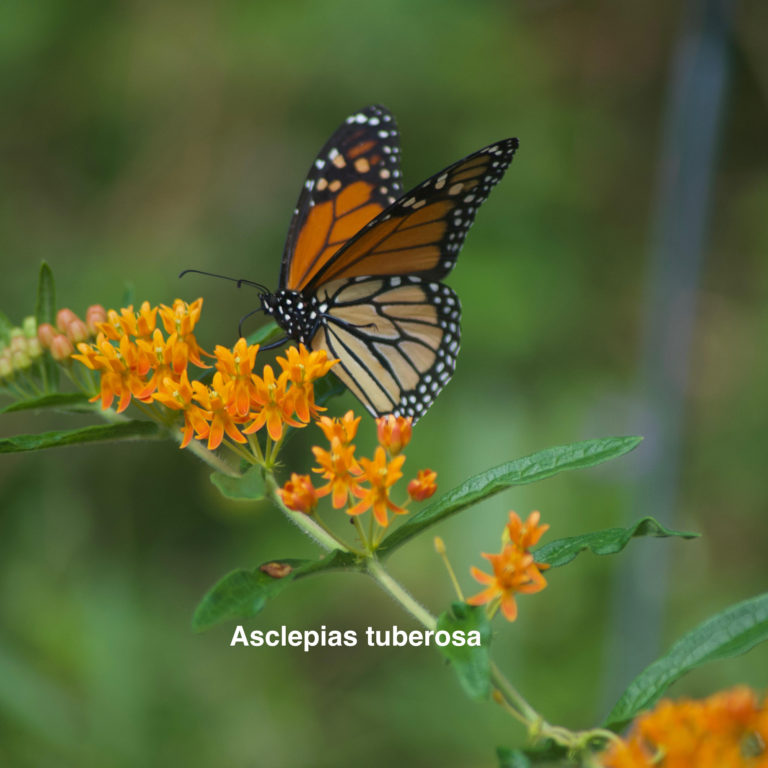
{"points": [[274, 406], [164, 357], [181, 318], [299, 494], [238, 363], [122, 371], [423, 485], [394, 432], [340, 468], [344, 429], [177, 395], [524, 535], [726, 730], [216, 400], [303, 369], [382, 475], [513, 572]]}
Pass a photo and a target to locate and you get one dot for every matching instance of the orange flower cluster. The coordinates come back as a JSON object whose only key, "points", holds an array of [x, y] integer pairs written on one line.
{"points": [[726, 730], [514, 570], [366, 480], [137, 360]]}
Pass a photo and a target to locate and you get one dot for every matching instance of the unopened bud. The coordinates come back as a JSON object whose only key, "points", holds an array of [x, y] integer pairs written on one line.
{"points": [[63, 318], [6, 367], [61, 347], [29, 326], [18, 340], [77, 331], [93, 315], [34, 348], [20, 359], [46, 333]]}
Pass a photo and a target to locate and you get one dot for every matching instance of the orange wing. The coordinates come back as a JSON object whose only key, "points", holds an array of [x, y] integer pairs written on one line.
{"points": [[419, 235], [354, 178], [396, 340]]}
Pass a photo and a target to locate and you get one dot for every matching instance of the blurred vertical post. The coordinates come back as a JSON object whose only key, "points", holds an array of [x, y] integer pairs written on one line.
{"points": [[696, 94]]}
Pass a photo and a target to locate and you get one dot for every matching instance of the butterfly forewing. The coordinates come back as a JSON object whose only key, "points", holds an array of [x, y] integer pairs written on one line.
{"points": [[354, 178], [422, 232], [396, 340]]}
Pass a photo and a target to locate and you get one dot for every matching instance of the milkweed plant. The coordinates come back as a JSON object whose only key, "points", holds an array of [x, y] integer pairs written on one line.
{"points": [[142, 374]]}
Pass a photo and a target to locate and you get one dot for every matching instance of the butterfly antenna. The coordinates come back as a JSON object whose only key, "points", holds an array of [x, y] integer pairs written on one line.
{"points": [[239, 280]]}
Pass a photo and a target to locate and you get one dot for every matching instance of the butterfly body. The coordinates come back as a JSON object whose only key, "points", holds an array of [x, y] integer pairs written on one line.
{"points": [[360, 274]]}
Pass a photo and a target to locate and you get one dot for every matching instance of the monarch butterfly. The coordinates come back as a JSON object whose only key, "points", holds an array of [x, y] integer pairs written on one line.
{"points": [[360, 271]]}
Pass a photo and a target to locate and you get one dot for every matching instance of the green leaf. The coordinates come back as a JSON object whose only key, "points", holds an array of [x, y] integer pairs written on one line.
{"points": [[471, 663], [529, 469], [249, 485], [128, 430], [45, 312], [548, 753], [512, 758], [328, 387], [269, 332], [605, 542], [729, 633], [75, 402], [243, 593]]}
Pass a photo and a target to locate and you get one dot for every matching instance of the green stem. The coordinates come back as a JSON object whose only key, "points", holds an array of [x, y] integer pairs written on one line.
{"points": [[400, 594], [306, 523]]}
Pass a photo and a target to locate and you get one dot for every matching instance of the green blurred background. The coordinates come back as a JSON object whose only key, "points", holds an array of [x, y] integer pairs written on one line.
{"points": [[139, 139]]}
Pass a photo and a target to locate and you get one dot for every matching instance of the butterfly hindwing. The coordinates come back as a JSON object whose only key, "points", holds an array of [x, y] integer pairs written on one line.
{"points": [[422, 232], [354, 178], [396, 339]]}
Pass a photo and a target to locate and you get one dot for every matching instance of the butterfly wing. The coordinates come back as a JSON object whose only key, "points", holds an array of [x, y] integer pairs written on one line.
{"points": [[354, 178], [422, 232], [396, 340]]}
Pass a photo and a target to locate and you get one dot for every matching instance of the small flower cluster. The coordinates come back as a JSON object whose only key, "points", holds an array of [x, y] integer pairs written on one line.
{"points": [[514, 569], [70, 330], [726, 730], [359, 484], [138, 361], [19, 349]]}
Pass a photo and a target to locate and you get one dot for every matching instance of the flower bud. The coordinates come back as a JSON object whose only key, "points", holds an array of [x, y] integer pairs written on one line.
{"points": [[93, 315], [6, 367], [423, 485], [77, 331], [20, 359], [63, 318], [29, 326], [18, 340], [34, 348], [394, 432], [46, 333], [299, 494], [61, 348]]}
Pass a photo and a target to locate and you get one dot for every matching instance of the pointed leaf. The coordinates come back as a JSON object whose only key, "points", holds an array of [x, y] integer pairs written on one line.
{"points": [[729, 633], [529, 469], [45, 312], [243, 593], [548, 753], [471, 663], [605, 542], [248, 486], [75, 402], [128, 430]]}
